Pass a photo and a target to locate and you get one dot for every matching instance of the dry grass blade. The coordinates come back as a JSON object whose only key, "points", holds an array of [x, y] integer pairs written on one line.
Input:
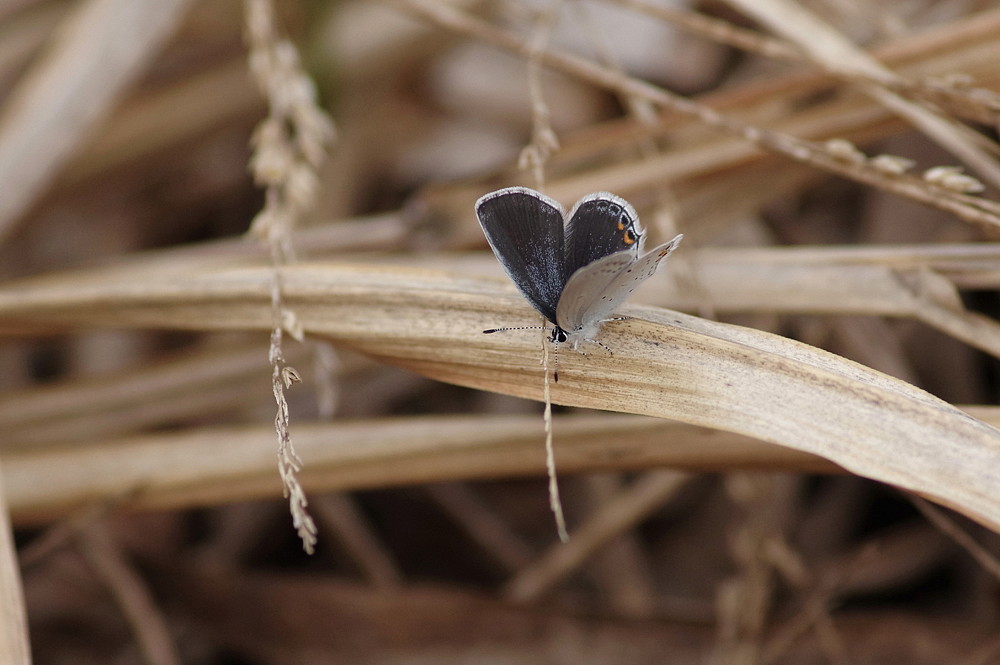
{"points": [[811, 108], [739, 494], [973, 209], [892, 283], [837, 54], [131, 594], [212, 466], [103, 47], [620, 514], [137, 128], [14, 645], [665, 364]]}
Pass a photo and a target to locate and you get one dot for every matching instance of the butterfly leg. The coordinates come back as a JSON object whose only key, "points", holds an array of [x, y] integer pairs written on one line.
{"points": [[576, 346], [602, 345]]}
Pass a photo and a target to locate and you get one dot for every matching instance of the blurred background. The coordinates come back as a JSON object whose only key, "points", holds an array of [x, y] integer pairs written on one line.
{"points": [[130, 139]]}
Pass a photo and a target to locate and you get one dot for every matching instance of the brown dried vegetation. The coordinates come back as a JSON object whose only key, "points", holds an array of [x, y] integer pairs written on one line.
{"points": [[803, 466]]}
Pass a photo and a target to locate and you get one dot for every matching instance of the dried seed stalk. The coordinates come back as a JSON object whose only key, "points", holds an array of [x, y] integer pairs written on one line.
{"points": [[289, 144]]}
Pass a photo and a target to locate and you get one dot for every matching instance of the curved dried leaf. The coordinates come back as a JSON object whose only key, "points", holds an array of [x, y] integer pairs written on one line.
{"points": [[200, 467], [665, 364]]}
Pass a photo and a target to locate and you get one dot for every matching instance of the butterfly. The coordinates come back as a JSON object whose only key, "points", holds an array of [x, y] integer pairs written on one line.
{"points": [[576, 269]]}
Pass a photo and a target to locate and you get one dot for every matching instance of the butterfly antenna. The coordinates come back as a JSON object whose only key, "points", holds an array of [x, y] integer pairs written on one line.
{"points": [[496, 330]]}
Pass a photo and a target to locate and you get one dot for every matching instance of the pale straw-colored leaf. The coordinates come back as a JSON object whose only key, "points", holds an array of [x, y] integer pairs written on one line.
{"points": [[210, 466], [665, 363], [14, 646], [101, 48], [838, 54]]}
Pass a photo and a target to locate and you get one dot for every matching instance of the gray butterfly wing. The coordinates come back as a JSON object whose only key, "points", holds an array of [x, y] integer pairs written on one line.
{"points": [[599, 225], [586, 287], [525, 230], [594, 291]]}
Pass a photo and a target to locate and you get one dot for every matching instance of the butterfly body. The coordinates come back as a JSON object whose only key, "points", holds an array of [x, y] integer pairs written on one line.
{"points": [[573, 269]]}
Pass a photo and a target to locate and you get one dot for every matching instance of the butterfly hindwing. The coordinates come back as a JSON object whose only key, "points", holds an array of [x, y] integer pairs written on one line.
{"points": [[578, 300], [525, 230], [593, 292], [599, 225]]}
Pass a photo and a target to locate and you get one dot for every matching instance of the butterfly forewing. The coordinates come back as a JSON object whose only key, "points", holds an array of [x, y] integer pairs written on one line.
{"points": [[593, 292], [599, 225], [525, 230]]}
